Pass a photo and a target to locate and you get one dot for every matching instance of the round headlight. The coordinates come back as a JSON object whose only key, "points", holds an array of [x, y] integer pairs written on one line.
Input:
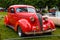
{"points": [[45, 18], [32, 18]]}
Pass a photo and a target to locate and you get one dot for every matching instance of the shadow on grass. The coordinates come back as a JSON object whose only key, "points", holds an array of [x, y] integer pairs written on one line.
{"points": [[57, 26]]}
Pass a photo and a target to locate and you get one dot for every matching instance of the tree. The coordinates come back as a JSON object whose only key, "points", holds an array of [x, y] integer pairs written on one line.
{"points": [[36, 3]]}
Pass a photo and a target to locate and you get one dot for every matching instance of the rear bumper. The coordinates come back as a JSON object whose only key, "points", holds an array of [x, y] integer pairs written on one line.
{"points": [[40, 32]]}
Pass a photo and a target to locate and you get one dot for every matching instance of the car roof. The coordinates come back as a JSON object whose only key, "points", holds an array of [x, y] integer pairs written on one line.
{"points": [[20, 6]]}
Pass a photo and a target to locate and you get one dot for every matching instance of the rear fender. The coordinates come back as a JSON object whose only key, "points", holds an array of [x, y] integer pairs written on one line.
{"points": [[23, 24], [6, 20]]}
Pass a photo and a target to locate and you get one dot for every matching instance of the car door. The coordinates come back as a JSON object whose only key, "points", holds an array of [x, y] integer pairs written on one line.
{"points": [[58, 16], [53, 18], [58, 21], [12, 16]]}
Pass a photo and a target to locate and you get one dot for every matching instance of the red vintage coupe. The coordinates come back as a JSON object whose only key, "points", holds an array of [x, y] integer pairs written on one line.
{"points": [[25, 20]]}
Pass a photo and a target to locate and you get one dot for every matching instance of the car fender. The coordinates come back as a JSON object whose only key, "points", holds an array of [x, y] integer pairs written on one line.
{"points": [[52, 23], [6, 19], [23, 24]]}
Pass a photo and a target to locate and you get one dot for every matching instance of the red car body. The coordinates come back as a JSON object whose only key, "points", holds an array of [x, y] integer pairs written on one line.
{"points": [[29, 21]]}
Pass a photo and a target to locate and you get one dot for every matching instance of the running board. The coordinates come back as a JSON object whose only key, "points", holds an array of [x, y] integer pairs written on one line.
{"points": [[10, 26]]}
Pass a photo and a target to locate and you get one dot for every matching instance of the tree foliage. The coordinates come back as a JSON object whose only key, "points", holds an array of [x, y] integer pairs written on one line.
{"points": [[36, 3]]}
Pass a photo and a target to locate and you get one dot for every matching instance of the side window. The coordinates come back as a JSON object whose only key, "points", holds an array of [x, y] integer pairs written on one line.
{"points": [[21, 10], [12, 10]]}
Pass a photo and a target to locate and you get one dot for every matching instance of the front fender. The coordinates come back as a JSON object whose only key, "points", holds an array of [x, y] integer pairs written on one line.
{"points": [[24, 25], [48, 24], [52, 24]]}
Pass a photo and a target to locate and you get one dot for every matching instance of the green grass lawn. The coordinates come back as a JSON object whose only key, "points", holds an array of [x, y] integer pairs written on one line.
{"points": [[8, 33]]}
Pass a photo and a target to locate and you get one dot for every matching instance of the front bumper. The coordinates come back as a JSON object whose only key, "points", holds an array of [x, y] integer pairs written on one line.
{"points": [[51, 30]]}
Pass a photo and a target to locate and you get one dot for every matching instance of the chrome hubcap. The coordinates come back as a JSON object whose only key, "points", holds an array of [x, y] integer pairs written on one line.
{"points": [[19, 31]]}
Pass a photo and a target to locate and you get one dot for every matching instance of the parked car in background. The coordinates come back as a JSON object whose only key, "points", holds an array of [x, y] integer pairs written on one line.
{"points": [[25, 20], [5, 9], [1, 9], [55, 18]]}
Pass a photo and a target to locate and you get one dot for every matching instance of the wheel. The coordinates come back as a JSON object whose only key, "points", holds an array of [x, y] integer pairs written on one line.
{"points": [[20, 33]]}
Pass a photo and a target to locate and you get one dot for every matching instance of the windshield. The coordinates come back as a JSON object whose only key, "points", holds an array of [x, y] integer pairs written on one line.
{"points": [[25, 10]]}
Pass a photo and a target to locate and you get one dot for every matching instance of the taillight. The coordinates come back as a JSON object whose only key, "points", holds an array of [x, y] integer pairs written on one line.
{"points": [[32, 19]]}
